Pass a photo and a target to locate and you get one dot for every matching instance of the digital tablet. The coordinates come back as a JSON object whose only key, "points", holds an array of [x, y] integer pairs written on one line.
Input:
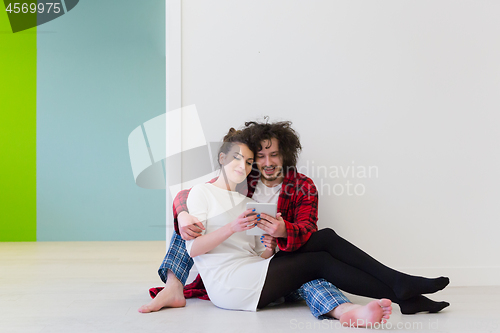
{"points": [[266, 208]]}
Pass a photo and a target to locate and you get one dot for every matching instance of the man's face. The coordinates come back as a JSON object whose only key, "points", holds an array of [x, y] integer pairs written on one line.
{"points": [[269, 161]]}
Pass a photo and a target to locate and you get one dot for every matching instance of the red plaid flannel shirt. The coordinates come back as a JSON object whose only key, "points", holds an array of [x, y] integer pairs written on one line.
{"points": [[298, 204]]}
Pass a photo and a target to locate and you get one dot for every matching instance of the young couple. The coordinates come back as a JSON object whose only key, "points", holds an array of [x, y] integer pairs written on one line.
{"points": [[243, 272]]}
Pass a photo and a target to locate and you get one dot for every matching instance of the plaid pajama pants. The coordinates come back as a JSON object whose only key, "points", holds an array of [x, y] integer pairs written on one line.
{"points": [[320, 295]]}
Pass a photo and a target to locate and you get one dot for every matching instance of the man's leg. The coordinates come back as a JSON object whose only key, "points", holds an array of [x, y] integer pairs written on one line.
{"points": [[321, 296], [174, 271], [177, 261], [326, 302]]}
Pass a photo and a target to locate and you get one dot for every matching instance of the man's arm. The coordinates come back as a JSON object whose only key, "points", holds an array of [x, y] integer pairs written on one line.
{"points": [[179, 206], [300, 219], [304, 223]]}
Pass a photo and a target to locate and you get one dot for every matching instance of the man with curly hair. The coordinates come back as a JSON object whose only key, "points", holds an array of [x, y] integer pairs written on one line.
{"points": [[275, 179]]}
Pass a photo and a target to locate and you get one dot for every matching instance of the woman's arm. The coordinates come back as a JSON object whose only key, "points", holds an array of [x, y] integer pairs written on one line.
{"points": [[210, 241]]}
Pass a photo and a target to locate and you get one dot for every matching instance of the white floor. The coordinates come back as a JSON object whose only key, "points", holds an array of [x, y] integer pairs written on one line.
{"points": [[98, 286]]}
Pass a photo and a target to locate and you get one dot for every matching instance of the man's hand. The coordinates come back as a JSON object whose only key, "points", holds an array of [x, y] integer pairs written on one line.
{"points": [[189, 226], [273, 226]]}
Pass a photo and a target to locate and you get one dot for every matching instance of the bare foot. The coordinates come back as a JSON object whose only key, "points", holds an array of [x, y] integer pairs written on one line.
{"points": [[377, 311], [167, 298], [172, 296]]}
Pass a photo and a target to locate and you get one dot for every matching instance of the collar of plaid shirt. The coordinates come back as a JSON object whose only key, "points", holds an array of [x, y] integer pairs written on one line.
{"points": [[293, 182]]}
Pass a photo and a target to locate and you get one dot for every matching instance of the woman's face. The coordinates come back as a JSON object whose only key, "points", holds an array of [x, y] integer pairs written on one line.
{"points": [[237, 163]]}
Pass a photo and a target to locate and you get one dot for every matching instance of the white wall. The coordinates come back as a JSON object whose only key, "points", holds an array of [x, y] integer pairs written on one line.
{"points": [[409, 87]]}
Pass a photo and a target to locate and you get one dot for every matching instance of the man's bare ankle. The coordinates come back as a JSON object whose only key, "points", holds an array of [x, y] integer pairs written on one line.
{"points": [[340, 310], [173, 281]]}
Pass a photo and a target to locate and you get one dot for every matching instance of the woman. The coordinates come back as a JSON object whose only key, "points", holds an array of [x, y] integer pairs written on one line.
{"points": [[240, 272]]}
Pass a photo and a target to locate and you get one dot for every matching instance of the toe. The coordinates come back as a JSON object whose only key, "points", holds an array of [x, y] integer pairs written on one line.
{"points": [[384, 302], [144, 309]]}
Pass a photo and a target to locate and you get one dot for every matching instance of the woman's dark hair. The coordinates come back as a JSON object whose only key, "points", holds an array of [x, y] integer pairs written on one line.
{"points": [[234, 137], [289, 142]]}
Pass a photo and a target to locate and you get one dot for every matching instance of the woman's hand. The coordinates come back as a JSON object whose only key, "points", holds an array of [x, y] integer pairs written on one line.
{"points": [[245, 221], [269, 242]]}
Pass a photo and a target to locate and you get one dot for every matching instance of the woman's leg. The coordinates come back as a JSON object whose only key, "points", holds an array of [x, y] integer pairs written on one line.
{"points": [[404, 286], [288, 271]]}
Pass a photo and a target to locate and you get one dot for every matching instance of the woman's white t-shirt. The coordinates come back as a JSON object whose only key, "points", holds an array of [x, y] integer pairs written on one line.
{"points": [[233, 272]]}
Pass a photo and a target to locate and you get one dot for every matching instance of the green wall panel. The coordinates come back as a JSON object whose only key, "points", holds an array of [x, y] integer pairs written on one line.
{"points": [[17, 132]]}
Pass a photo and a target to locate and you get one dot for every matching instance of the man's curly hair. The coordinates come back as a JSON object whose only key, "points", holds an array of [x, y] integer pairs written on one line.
{"points": [[289, 142]]}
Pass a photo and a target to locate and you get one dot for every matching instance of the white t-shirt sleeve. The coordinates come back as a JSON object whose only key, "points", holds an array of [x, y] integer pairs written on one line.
{"points": [[197, 203]]}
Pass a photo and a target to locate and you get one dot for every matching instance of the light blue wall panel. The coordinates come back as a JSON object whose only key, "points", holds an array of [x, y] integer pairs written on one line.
{"points": [[101, 73]]}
